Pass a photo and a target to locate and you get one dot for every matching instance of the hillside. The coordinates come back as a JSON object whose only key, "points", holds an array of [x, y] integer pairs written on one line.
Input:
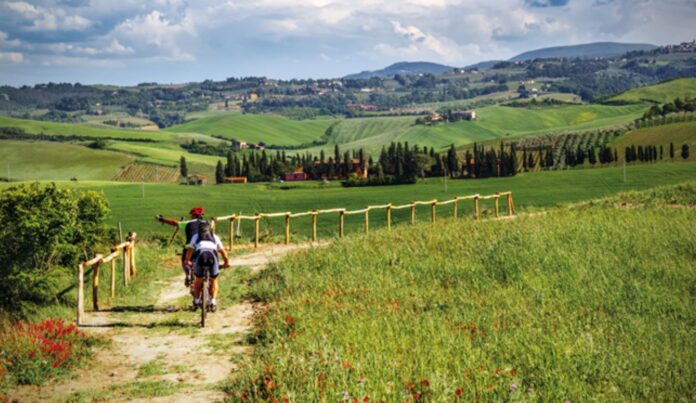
{"points": [[269, 129], [493, 122], [660, 93], [584, 51], [404, 68], [30, 160], [661, 136], [575, 304]]}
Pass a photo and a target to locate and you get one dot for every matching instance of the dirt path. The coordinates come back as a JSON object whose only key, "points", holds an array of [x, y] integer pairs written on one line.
{"points": [[163, 351]]}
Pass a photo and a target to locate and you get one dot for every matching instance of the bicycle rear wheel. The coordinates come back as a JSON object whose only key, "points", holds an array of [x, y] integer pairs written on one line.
{"points": [[204, 298]]}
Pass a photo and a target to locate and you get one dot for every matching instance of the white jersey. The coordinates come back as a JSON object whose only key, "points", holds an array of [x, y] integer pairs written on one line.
{"points": [[211, 245]]}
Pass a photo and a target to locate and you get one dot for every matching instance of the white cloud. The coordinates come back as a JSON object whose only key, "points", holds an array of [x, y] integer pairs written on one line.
{"points": [[11, 57], [44, 19], [156, 36]]}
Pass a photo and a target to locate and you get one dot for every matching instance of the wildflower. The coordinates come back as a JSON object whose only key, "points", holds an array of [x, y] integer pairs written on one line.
{"points": [[459, 392], [513, 372], [513, 387], [346, 364], [361, 380], [425, 382], [530, 390], [289, 320]]}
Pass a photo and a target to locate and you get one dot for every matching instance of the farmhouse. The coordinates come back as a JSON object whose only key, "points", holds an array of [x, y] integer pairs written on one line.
{"points": [[239, 144], [297, 175], [463, 115], [433, 117], [236, 179], [195, 179]]}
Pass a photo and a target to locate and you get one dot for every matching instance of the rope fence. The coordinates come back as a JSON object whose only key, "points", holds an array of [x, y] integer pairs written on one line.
{"points": [[126, 252], [342, 212]]}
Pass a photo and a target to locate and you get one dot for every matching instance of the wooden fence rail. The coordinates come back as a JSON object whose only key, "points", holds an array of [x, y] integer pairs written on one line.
{"points": [[125, 251], [388, 208]]}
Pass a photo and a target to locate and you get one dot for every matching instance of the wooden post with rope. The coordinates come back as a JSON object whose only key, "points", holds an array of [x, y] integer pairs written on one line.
{"points": [[509, 203], [287, 228], [367, 219], [126, 264], [315, 213], [413, 213], [133, 267], [257, 222], [497, 207], [341, 216], [432, 211], [455, 207], [389, 208], [113, 273], [476, 207], [80, 293], [95, 284], [231, 230]]}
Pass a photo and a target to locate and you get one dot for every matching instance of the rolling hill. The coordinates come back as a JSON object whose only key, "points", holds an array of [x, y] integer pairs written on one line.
{"points": [[269, 129], [584, 51], [660, 93], [405, 68]]}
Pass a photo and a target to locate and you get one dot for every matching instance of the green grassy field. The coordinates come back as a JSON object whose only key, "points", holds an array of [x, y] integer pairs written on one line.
{"points": [[87, 130], [270, 129], [28, 160], [663, 135], [493, 122], [530, 191], [591, 303], [661, 93]]}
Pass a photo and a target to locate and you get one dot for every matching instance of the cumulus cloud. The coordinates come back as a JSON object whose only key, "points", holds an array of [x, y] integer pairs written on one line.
{"points": [[11, 57], [272, 35]]}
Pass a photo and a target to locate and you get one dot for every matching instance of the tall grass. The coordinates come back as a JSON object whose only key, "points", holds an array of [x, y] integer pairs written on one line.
{"points": [[589, 303]]}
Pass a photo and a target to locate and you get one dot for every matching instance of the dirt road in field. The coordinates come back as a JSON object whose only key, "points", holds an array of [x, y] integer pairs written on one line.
{"points": [[158, 350]]}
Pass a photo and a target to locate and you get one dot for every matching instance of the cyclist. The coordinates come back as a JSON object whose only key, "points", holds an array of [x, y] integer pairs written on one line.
{"points": [[190, 229], [206, 246]]}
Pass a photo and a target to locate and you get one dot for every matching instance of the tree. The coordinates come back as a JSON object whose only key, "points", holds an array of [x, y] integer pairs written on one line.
{"points": [[53, 232], [685, 151], [182, 167], [452, 161], [219, 173], [671, 151]]}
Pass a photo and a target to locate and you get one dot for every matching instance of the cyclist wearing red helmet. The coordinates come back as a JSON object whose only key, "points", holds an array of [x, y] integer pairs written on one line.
{"points": [[190, 229]]}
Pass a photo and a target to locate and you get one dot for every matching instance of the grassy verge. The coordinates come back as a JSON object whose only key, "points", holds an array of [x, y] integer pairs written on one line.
{"points": [[592, 302]]}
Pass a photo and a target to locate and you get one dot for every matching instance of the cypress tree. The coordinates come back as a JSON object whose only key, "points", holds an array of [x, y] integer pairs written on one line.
{"points": [[661, 152], [513, 160], [182, 167], [685, 151], [671, 151], [592, 156], [219, 173]]}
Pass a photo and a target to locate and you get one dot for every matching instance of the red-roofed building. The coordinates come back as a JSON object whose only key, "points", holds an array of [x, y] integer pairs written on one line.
{"points": [[296, 176]]}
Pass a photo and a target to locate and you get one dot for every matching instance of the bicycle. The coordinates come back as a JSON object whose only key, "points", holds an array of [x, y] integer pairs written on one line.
{"points": [[205, 294]]}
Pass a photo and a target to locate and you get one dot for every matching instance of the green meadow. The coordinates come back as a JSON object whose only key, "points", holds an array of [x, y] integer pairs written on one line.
{"points": [[587, 303], [27, 160], [530, 191], [270, 129], [661, 93]]}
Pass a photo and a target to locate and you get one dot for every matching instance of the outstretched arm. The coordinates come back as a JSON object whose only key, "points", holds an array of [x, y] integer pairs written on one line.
{"points": [[189, 254], [168, 221]]}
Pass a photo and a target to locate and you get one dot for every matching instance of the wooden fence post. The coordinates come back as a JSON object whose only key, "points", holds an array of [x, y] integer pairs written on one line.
{"points": [[95, 286], [133, 267], [509, 203], [315, 214], [80, 293], [389, 208], [367, 219], [341, 215], [432, 211], [476, 207], [231, 231], [213, 224], [287, 228], [456, 207], [113, 274], [257, 222], [497, 207], [126, 264], [413, 213]]}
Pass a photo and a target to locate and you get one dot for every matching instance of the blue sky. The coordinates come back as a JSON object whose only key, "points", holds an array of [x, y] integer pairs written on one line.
{"points": [[132, 41]]}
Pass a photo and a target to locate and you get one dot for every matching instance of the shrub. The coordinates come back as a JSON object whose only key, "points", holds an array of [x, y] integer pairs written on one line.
{"points": [[50, 230], [31, 353]]}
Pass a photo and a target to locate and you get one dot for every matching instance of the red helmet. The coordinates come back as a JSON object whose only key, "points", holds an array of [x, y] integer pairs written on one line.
{"points": [[198, 210]]}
